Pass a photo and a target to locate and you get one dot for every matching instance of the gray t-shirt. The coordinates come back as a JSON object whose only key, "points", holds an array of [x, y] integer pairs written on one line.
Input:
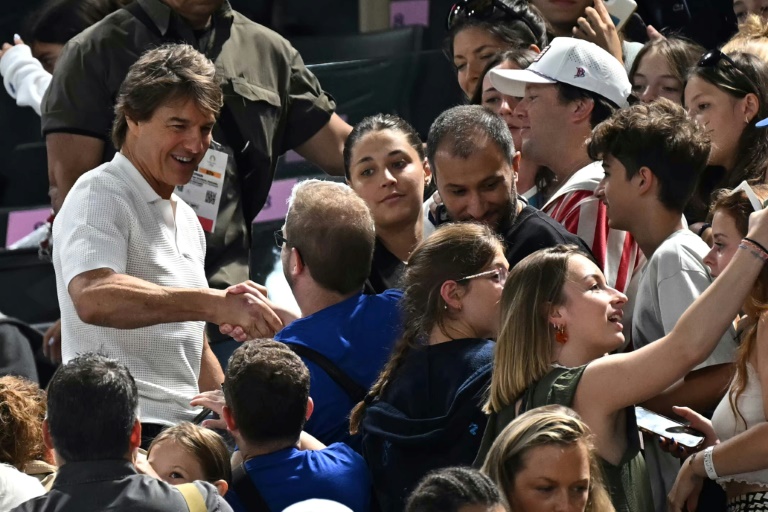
{"points": [[673, 278]]}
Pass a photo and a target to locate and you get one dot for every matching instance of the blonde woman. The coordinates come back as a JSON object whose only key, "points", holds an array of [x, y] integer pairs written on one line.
{"points": [[546, 460], [752, 37], [559, 320]]}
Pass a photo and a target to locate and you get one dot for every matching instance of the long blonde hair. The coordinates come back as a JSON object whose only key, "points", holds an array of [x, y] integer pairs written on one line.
{"points": [[451, 252], [551, 424], [523, 353], [752, 37], [738, 207]]}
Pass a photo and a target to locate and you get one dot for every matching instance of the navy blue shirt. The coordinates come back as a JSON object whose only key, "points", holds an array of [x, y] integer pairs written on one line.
{"points": [[357, 335], [291, 476]]}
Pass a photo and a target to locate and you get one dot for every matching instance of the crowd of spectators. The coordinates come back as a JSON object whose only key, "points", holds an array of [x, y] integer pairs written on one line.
{"points": [[478, 313]]}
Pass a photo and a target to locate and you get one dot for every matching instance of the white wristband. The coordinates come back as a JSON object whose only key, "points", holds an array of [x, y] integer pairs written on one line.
{"points": [[709, 466]]}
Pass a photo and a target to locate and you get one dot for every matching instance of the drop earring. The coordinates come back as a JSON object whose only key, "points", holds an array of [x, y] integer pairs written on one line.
{"points": [[561, 336]]}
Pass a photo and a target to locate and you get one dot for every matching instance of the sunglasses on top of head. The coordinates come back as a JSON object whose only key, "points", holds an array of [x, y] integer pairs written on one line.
{"points": [[481, 10], [713, 57]]}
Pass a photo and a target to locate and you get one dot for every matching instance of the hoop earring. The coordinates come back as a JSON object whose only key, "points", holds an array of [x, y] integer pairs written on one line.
{"points": [[561, 335]]}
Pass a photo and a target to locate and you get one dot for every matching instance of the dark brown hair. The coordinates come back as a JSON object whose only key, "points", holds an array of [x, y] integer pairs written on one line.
{"points": [[749, 75], [661, 137], [266, 387], [512, 30], [162, 75], [377, 123], [680, 53]]}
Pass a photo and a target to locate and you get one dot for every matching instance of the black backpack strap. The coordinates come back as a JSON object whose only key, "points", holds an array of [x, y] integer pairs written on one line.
{"points": [[355, 391], [247, 492], [141, 15]]}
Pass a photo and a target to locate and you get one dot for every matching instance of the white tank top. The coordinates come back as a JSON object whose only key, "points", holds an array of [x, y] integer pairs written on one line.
{"points": [[727, 424]]}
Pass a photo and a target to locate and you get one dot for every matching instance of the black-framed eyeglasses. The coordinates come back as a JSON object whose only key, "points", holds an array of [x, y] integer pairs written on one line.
{"points": [[713, 57], [500, 273], [280, 239], [482, 9]]}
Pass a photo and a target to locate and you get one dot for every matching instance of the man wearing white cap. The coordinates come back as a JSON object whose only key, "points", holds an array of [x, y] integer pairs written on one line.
{"points": [[572, 86]]}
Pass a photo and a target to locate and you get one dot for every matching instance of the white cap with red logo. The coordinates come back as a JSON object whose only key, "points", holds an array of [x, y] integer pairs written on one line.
{"points": [[570, 61]]}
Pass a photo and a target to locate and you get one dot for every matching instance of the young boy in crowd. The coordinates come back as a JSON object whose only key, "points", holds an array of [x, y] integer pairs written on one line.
{"points": [[653, 155], [267, 405]]}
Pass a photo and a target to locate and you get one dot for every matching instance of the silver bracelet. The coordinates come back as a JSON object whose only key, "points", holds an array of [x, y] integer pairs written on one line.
{"points": [[709, 466]]}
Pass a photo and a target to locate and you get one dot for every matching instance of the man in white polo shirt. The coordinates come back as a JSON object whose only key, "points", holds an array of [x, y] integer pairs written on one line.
{"points": [[129, 253]]}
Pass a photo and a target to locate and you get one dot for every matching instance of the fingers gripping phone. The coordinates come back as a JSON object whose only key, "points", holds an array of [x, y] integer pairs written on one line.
{"points": [[656, 424], [620, 11]]}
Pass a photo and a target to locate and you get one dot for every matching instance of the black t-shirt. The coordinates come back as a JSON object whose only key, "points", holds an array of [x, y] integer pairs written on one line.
{"points": [[386, 271], [533, 230]]}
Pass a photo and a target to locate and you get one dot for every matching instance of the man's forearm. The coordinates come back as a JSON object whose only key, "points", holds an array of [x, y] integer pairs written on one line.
{"points": [[104, 298]]}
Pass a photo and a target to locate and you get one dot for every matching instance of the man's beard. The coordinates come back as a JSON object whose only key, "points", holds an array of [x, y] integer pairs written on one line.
{"points": [[507, 216]]}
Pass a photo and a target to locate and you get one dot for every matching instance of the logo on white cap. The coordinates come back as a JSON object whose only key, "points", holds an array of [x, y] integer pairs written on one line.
{"points": [[570, 61]]}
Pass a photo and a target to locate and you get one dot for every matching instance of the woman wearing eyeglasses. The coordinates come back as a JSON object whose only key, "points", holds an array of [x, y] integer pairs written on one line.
{"points": [[727, 94], [425, 410], [740, 462], [478, 29]]}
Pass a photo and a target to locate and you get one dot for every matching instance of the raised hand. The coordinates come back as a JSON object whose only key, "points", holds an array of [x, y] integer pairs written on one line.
{"points": [[597, 27]]}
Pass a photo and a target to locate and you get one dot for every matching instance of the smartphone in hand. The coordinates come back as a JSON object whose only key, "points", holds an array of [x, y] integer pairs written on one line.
{"points": [[657, 424], [620, 11]]}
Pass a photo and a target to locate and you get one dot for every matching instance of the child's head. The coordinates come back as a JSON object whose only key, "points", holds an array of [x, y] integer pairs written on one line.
{"points": [[650, 151], [660, 68], [186, 452], [455, 490]]}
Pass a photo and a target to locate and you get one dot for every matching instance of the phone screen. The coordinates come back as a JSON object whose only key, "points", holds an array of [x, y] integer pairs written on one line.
{"points": [[649, 421]]}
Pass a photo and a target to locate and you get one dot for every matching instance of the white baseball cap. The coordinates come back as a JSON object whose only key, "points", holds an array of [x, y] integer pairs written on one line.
{"points": [[570, 61]]}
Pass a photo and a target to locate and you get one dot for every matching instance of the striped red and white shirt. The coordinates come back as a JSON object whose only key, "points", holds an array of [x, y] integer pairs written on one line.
{"points": [[582, 213]]}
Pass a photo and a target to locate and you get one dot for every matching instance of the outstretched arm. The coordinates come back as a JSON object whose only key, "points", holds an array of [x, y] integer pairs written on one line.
{"points": [[612, 381], [104, 297]]}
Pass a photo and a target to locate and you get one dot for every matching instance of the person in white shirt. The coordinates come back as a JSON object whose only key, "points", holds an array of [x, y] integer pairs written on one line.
{"points": [[128, 253], [653, 155]]}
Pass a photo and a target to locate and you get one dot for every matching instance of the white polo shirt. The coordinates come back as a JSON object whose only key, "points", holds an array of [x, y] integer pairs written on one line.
{"points": [[112, 218]]}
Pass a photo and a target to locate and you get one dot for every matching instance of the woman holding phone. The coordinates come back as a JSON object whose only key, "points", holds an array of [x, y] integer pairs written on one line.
{"points": [[739, 422], [559, 320]]}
